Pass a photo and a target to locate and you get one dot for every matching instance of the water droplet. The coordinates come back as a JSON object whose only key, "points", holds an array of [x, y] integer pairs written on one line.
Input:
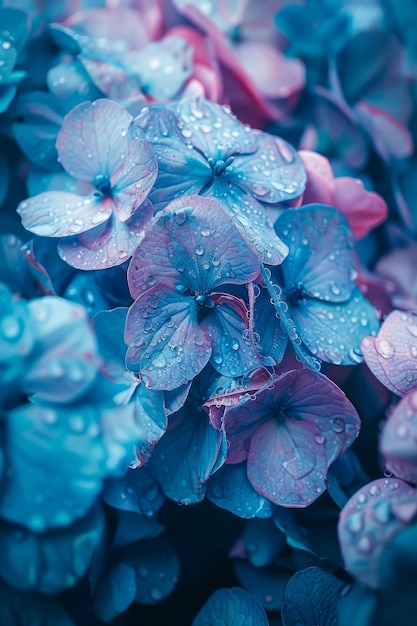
{"points": [[218, 359], [374, 490], [384, 348], [402, 431], [382, 512], [354, 522], [235, 344], [338, 425], [365, 545], [11, 328], [199, 250], [335, 289], [206, 231], [156, 593], [319, 439], [159, 361], [77, 423]]}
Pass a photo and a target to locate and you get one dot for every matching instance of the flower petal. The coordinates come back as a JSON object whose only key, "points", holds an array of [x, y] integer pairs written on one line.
{"points": [[101, 131], [166, 344], [62, 214]]}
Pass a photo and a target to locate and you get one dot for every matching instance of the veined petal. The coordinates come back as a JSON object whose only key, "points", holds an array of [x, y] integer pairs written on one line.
{"points": [[62, 214], [93, 139]]}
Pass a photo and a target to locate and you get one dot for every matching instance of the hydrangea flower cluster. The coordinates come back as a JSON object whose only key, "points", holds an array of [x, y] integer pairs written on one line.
{"points": [[208, 312]]}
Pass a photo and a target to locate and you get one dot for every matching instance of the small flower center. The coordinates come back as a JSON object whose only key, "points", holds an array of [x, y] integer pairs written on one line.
{"points": [[295, 293], [103, 185], [219, 166]]}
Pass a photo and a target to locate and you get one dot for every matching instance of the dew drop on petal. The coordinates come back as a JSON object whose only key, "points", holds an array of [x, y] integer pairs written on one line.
{"points": [[365, 545], [384, 348], [355, 522], [338, 425]]}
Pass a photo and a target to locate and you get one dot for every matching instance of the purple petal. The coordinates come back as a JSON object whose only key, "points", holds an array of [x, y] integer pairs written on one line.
{"points": [[321, 253], [134, 179], [398, 443], [192, 243], [62, 214], [230, 489], [370, 519], [392, 355], [151, 418], [101, 131], [167, 346], [298, 424], [232, 355], [186, 457], [108, 245]]}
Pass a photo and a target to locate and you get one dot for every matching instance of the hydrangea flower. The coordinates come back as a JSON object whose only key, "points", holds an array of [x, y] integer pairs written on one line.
{"points": [[289, 432], [314, 290], [180, 320], [103, 228], [203, 148]]}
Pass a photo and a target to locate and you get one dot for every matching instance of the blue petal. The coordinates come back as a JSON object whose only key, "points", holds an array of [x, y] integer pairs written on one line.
{"points": [[52, 561], [333, 332], [71, 83], [275, 173], [136, 491], [18, 608], [65, 361], [263, 542], [186, 457], [321, 255], [213, 130], [151, 419], [230, 489], [232, 355], [131, 527], [166, 344], [40, 117], [232, 607], [63, 469], [149, 559], [311, 598], [251, 220], [115, 593], [273, 337], [267, 583], [176, 161]]}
